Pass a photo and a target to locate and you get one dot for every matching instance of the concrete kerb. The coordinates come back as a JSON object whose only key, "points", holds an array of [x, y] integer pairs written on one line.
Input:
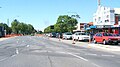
{"points": [[2, 39], [106, 47], [91, 45]]}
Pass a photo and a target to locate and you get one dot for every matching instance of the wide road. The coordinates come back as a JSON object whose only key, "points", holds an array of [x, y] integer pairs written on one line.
{"points": [[33, 51]]}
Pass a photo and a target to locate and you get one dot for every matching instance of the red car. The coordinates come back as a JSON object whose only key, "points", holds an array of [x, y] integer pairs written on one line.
{"points": [[106, 38]]}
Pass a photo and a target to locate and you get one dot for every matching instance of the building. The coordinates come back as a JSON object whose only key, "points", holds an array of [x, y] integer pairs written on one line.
{"points": [[80, 27], [107, 19]]}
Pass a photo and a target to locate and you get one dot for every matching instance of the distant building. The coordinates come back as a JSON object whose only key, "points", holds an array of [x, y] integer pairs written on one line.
{"points": [[80, 27], [107, 19]]}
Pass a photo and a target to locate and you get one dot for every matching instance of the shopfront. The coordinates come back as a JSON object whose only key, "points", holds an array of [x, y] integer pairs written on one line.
{"points": [[116, 29]]}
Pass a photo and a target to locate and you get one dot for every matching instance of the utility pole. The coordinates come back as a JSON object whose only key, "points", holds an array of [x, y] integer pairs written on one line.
{"points": [[99, 3], [8, 22]]}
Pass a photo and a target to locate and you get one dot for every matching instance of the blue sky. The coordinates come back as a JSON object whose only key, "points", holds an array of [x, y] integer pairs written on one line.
{"points": [[42, 13]]}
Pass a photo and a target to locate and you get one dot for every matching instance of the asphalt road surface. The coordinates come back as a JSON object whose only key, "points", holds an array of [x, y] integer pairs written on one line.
{"points": [[33, 51]]}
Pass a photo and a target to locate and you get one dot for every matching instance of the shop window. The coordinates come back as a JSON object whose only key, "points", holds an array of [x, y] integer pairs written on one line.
{"points": [[107, 16], [106, 20], [118, 18], [112, 11], [99, 18], [95, 20]]}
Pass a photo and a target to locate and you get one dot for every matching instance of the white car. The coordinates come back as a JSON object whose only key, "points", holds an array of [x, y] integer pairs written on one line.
{"points": [[67, 35], [81, 36]]}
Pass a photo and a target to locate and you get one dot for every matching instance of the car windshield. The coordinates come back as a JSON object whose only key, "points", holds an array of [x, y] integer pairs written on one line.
{"points": [[107, 34], [116, 35], [68, 33], [82, 34]]}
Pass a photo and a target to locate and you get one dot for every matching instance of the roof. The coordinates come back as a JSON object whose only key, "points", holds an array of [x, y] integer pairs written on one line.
{"points": [[90, 23]]}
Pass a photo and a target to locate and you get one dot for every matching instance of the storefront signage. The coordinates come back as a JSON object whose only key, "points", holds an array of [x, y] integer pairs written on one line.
{"points": [[106, 26], [100, 26]]}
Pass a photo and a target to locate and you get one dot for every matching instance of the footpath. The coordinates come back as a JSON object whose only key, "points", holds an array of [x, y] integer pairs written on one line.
{"points": [[1, 39], [89, 45]]}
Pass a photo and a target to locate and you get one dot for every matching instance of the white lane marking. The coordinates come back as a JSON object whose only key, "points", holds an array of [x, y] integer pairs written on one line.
{"points": [[108, 55], [96, 65], [7, 58], [91, 54], [17, 52], [78, 56], [60, 52], [13, 55], [3, 59], [28, 46], [42, 51]]}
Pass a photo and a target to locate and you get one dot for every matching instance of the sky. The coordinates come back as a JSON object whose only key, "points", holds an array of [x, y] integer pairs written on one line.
{"points": [[42, 13]]}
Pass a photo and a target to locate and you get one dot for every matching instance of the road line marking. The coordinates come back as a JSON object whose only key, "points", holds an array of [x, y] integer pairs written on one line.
{"points": [[78, 56], [13, 55], [91, 54], [3, 59], [96, 65], [17, 52], [60, 52], [28, 46], [108, 55]]}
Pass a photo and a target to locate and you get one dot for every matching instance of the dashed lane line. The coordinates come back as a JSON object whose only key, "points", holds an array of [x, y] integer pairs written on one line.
{"points": [[78, 56]]}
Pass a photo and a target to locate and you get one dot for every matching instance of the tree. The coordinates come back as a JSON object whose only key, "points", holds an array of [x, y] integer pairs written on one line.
{"points": [[66, 23], [8, 29], [22, 28], [30, 29], [14, 26]]}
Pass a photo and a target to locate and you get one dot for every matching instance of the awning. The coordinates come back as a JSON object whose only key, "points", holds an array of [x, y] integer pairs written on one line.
{"points": [[115, 26], [87, 28], [92, 26]]}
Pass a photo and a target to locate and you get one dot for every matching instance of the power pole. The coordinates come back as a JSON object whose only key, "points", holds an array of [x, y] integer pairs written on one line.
{"points": [[99, 2], [8, 22]]}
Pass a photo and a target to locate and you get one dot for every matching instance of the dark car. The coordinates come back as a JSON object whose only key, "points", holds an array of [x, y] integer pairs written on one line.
{"points": [[53, 34], [59, 34]]}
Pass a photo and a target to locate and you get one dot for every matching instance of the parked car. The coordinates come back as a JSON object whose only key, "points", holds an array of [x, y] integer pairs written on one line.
{"points": [[81, 36], [67, 35], [53, 34], [58, 34], [106, 38]]}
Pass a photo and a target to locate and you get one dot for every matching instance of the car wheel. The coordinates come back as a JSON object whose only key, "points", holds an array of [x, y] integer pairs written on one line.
{"points": [[104, 42], [94, 41]]}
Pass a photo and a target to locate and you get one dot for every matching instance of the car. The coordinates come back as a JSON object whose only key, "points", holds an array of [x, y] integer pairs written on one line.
{"points": [[106, 38], [53, 34], [81, 36], [58, 34], [67, 35]]}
